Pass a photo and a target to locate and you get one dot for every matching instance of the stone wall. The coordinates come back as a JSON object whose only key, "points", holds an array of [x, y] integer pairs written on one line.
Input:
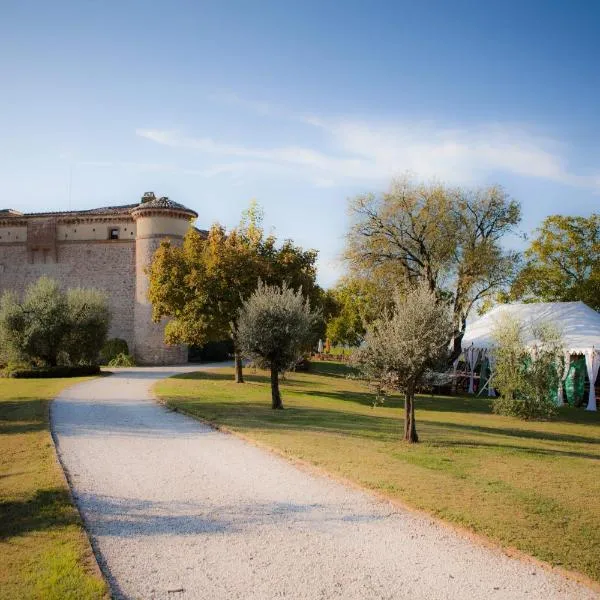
{"points": [[108, 266]]}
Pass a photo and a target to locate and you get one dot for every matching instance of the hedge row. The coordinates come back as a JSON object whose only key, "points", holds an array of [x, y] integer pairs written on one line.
{"points": [[48, 372]]}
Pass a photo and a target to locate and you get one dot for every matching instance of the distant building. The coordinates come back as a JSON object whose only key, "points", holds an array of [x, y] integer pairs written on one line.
{"points": [[103, 248]]}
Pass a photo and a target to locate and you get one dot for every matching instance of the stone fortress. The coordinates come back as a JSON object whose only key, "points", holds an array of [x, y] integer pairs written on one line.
{"points": [[104, 248]]}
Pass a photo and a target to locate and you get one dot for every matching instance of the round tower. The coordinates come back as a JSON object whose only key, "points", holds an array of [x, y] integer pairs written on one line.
{"points": [[156, 219]]}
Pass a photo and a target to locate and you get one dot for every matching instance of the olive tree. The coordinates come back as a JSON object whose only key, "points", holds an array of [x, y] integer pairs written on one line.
{"points": [[35, 327], [89, 319], [527, 378], [403, 347], [275, 325], [50, 325]]}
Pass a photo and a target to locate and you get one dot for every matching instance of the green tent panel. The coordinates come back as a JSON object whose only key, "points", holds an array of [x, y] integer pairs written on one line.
{"points": [[575, 382]]}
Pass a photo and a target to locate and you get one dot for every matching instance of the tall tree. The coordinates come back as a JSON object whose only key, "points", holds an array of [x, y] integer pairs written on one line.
{"points": [[202, 284], [562, 263], [449, 238]]}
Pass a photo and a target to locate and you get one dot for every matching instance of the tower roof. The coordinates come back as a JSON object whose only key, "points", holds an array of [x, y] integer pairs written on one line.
{"points": [[151, 203]]}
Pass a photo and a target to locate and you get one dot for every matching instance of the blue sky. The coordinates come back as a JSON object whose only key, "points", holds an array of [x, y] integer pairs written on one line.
{"points": [[298, 104]]}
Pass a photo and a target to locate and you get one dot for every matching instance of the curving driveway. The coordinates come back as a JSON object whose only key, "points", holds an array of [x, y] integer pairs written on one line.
{"points": [[177, 510]]}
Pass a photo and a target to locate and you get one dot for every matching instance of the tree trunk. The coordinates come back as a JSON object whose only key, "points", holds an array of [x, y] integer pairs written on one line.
{"points": [[457, 339], [239, 374], [410, 428], [276, 403]]}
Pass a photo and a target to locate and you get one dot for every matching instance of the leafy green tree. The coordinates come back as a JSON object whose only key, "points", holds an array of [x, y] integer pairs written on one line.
{"points": [[274, 326], [202, 284], [404, 345], [562, 263], [89, 320], [358, 301], [450, 238]]}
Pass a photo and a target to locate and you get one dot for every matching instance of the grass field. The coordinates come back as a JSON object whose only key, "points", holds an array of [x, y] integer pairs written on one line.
{"points": [[534, 486], [44, 551]]}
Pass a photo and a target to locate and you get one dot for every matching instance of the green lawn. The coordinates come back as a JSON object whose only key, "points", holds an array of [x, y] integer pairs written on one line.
{"points": [[534, 486], [45, 553]]}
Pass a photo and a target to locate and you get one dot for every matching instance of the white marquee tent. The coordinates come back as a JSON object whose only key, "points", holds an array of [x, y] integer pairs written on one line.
{"points": [[578, 323]]}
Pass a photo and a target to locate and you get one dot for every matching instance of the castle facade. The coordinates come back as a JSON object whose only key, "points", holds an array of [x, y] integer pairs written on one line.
{"points": [[105, 248]]}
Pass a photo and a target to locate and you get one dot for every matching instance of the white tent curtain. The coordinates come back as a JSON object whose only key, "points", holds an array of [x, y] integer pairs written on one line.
{"points": [[472, 357], [592, 362], [492, 363], [560, 399]]}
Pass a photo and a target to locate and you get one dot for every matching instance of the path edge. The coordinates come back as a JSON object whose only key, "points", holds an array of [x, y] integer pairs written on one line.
{"points": [[94, 555]]}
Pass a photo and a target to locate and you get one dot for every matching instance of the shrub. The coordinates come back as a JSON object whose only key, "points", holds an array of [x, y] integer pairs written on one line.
{"points": [[50, 326], [89, 319], [50, 372], [527, 379], [122, 360], [111, 349], [13, 366], [36, 327]]}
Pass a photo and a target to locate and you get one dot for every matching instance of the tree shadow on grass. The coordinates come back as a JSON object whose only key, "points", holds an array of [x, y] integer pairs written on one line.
{"points": [[23, 415], [45, 510], [536, 451], [331, 369], [255, 416], [453, 404], [545, 436], [250, 376], [259, 416]]}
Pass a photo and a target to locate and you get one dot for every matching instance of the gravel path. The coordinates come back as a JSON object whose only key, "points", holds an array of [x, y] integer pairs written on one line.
{"points": [[177, 510]]}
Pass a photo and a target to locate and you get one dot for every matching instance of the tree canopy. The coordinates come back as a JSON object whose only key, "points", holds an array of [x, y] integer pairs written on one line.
{"points": [[202, 283], [274, 327], [448, 237], [404, 344], [562, 263], [49, 325], [357, 301]]}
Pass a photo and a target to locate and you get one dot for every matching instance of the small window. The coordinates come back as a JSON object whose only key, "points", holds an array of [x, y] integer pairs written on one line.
{"points": [[113, 233]]}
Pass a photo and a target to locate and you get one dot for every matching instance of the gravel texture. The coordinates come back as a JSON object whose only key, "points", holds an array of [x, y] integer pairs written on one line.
{"points": [[177, 510]]}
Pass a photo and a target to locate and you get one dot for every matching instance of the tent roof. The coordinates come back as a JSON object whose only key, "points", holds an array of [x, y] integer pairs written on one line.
{"points": [[578, 323]]}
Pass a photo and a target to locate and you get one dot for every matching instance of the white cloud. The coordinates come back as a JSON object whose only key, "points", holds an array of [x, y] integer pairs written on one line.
{"points": [[376, 151]]}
